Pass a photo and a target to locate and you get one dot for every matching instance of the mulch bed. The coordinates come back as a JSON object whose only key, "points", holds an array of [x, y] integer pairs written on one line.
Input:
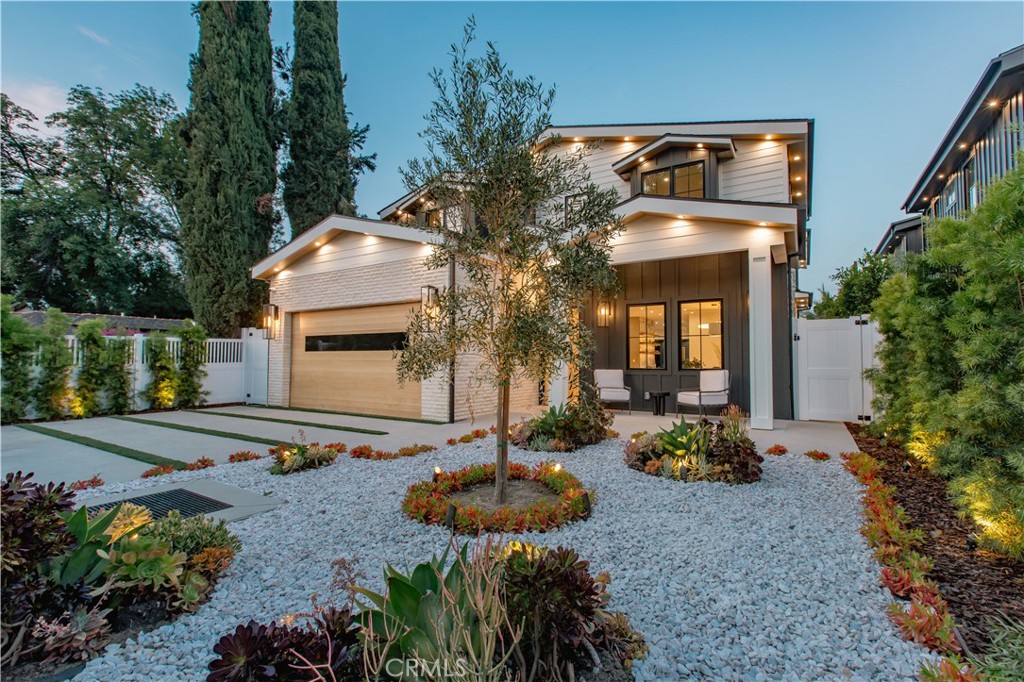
{"points": [[977, 584]]}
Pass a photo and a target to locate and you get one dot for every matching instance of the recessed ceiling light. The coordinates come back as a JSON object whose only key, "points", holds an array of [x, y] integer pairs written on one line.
{"points": [[993, 103], [641, 159], [797, 179], [763, 224], [681, 217], [942, 176], [767, 137], [626, 139], [963, 145], [277, 269], [799, 194], [316, 243], [796, 158], [700, 145], [924, 198], [576, 139]]}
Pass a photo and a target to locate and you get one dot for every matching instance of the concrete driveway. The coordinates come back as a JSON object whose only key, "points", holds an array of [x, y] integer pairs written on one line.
{"points": [[230, 429]]}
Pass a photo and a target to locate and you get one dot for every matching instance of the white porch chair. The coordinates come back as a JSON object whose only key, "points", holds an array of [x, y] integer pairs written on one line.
{"points": [[611, 387], [713, 391]]}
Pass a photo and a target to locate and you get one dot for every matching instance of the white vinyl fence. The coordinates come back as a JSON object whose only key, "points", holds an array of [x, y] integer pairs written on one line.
{"points": [[236, 369], [830, 357]]}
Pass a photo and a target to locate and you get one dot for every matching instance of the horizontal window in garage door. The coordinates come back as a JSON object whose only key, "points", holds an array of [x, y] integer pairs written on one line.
{"points": [[389, 341]]}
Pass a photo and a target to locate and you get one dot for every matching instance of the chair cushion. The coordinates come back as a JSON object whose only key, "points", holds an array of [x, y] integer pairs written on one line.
{"points": [[609, 378], [695, 398], [614, 394]]}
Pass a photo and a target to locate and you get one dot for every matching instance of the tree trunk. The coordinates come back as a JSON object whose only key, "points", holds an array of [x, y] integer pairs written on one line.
{"points": [[501, 468]]}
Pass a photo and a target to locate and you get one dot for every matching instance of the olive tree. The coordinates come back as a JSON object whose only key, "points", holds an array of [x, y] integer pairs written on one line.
{"points": [[528, 231]]}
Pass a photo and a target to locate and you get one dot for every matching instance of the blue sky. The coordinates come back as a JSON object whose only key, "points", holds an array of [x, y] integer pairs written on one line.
{"points": [[882, 80]]}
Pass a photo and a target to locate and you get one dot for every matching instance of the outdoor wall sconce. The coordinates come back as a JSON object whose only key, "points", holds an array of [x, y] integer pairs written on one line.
{"points": [[428, 297], [604, 313], [269, 320]]}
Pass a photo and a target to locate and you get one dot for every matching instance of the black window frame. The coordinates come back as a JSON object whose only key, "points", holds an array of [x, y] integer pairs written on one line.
{"points": [[665, 340], [671, 170], [679, 331]]}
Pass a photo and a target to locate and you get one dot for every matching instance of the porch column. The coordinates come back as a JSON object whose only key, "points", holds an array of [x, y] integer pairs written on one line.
{"points": [[558, 389], [761, 399]]}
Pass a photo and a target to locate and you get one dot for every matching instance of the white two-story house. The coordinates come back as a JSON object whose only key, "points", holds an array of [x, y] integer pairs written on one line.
{"points": [[715, 220]]}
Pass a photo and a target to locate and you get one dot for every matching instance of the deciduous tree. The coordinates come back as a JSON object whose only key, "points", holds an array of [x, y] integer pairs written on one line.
{"points": [[527, 258]]}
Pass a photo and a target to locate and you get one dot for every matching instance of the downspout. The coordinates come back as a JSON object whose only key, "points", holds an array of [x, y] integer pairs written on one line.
{"points": [[451, 363]]}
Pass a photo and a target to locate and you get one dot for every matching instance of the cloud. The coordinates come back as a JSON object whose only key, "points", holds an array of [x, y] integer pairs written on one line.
{"points": [[42, 99], [93, 35]]}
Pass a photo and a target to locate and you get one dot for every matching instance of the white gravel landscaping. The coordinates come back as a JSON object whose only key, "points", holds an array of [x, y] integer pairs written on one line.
{"points": [[768, 581]]}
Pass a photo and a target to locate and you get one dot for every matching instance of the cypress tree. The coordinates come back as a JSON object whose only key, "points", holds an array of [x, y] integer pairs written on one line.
{"points": [[228, 212], [320, 178]]}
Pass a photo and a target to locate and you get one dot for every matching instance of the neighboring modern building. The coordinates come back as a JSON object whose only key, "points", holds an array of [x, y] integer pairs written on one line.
{"points": [[980, 147], [715, 229]]}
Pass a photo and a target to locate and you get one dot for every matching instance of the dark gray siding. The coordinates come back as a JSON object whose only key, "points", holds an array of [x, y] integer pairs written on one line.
{"points": [[782, 345], [722, 276]]}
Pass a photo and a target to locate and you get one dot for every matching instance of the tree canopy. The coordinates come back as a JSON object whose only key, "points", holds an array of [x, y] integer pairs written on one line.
{"points": [[526, 257], [858, 287], [232, 135], [90, 219], [320, 176]]}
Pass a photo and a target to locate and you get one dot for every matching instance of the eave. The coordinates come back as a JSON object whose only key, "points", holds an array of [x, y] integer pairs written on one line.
{"points": [[326, 230], [723, 146]]}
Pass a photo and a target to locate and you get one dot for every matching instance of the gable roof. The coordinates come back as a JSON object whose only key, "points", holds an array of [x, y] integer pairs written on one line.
{"points": [[1003, 77], [326, 230]]}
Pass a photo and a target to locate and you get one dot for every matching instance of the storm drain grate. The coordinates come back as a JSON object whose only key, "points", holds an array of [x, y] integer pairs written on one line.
{"points": [[186, 502]]}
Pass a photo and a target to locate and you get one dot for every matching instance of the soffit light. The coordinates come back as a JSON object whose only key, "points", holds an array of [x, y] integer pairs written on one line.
{"points": [[768, 137], [763, 224], [796, 158], [942, 176], [626, 139], [700, 145], [963, 145], [799, 194], [797, 179], [641, 159], [994, 103], [316, 243]]}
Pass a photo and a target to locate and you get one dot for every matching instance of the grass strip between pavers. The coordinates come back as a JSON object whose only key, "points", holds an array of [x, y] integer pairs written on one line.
{"points": [[357, 414], [199, 429], [332, 427], [112, 448]]}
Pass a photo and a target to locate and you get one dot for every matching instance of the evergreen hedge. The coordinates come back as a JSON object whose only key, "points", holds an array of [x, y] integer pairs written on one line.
{"points": [[951, 378]]}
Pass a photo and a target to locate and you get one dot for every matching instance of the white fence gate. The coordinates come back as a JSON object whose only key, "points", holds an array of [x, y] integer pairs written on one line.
{"points": [[830, 359]]}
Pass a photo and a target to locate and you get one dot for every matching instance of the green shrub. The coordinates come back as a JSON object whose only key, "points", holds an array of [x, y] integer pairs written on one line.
{"points": [[162, 390], [92, 369], [564, 428], [118, 376], [52, 395], [18, 343], [191, 364], [194, 534], [951, 378], [1004, 661]]}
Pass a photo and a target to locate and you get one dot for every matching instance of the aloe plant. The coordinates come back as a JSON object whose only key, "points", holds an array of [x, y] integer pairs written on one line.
{"points": [[688, 446]]}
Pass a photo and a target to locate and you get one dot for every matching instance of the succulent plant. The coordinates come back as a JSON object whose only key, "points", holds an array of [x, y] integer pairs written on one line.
{"points": [[75, 636], [144, 561], [246, 655], [130, 519], [192, 590], [194, 534]]}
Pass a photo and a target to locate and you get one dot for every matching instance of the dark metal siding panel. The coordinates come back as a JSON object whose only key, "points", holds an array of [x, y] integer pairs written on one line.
{"points": [[782, 346], [721, 276]]}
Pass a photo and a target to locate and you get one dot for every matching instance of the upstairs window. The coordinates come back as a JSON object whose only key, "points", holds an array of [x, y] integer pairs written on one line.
{"points": [[685, 181]]}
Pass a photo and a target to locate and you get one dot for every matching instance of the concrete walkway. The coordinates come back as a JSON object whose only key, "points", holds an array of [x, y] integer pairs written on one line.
{"points": [[53, 459], [57, 460]]}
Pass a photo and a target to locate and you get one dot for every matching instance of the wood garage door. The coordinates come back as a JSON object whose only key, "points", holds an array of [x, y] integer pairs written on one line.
{"points": [[343, 376]]}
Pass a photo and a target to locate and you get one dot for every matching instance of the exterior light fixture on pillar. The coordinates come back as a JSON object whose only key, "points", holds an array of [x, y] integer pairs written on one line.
{"points": [[428, 297], [269, 320], [604, 313]]}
